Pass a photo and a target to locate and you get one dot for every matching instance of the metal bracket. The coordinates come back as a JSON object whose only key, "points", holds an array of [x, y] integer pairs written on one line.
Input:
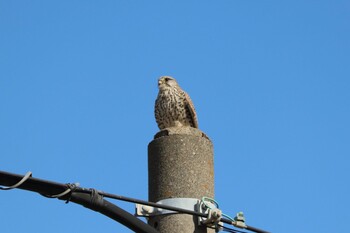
{"points": [[183, 203], [214, 217], [214, 214]]}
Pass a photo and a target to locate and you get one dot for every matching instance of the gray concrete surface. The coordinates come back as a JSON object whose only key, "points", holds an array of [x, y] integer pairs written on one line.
{"points": [[180, 164]]}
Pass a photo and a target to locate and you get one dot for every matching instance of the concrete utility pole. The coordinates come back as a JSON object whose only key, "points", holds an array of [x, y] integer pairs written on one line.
{"points": [[180, 167]]}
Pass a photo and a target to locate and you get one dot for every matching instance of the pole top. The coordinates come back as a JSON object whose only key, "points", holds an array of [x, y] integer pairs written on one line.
{"points": [[180, 131]]}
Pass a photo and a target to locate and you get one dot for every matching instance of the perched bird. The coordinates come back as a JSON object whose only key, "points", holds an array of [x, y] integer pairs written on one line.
{"points": [[173, 107]]}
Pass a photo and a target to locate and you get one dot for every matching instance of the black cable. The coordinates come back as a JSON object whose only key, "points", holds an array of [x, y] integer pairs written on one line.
{"points": [[91, 200], [227, 229], [138, 201], [19, 183], [97, 203], [179, 210], [66, 192]]}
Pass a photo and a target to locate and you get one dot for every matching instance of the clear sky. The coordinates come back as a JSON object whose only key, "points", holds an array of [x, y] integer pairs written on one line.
{"points": [[270, 81]]}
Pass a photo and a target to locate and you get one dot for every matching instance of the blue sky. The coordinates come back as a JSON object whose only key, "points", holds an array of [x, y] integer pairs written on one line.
{"points": [[270, 81]]}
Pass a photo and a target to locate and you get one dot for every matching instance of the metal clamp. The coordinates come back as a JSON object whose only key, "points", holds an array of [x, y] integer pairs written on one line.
{"points": [[214, 217], [183, 203], [207, 206]]}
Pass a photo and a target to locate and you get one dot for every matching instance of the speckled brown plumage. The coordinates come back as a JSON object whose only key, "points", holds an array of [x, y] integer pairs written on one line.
{"points": [[173, 107]]}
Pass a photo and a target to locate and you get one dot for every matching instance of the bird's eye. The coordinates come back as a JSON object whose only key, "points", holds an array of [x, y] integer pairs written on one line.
{"points": [[167, 79]]}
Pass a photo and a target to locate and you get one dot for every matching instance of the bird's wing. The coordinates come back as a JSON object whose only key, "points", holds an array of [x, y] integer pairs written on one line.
{"points": [[190, 106]]}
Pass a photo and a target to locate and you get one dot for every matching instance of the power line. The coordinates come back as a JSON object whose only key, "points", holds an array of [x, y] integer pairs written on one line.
{"points": [[93, 199]]}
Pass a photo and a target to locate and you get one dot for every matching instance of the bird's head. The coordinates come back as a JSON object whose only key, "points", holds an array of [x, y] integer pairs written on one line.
{"points": [[166, 82]]}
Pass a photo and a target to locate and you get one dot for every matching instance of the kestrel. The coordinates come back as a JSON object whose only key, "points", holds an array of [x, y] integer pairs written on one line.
{"points": [[173, 107]]}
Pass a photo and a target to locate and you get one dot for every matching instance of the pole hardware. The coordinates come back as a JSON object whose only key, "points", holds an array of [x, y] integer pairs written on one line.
{"points": [[209, 207], [240, 220], [183, 203], [94, 200]]}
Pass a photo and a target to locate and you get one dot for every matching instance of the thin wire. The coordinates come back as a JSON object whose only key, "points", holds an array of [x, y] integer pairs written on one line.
{"points": [[228, 217], [74, 188], [70, 189], [133, 200], [227, 229], [24, 179], [217, 206], [229, 220]]}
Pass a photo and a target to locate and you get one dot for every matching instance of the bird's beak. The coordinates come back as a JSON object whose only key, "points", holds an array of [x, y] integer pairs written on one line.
{"points": [[159, 82]]}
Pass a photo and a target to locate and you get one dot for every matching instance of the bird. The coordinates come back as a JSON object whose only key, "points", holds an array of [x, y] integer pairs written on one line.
{"points": [[173, 106]]}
